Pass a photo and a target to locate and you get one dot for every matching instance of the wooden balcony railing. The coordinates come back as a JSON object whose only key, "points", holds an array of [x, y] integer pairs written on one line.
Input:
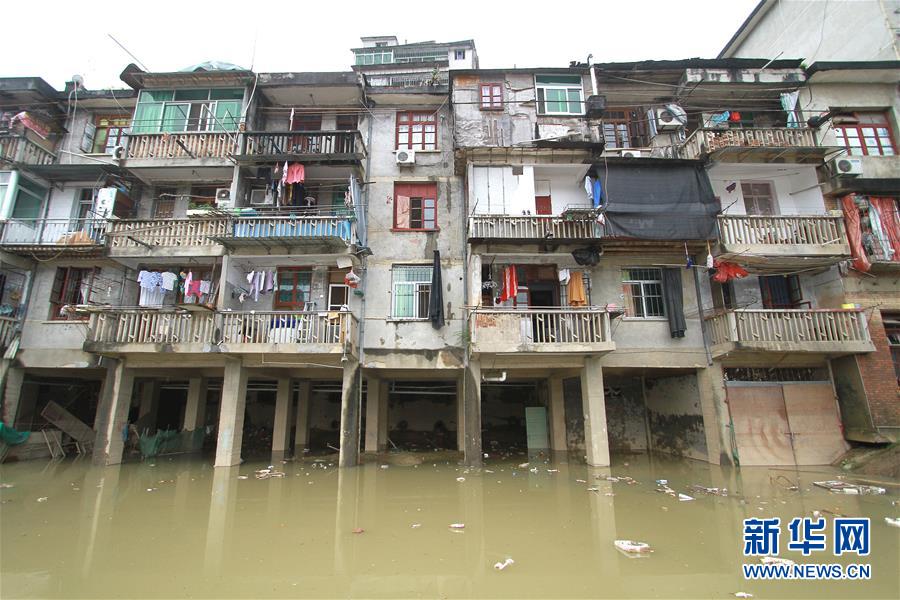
{"points": [[782, 231], [172, 233], [233, 329], [52, 232], [280, 327], [273, 144], [494, 328], [531, 228], [783, 326], [15, 148], [703, 141], [199, 144]]}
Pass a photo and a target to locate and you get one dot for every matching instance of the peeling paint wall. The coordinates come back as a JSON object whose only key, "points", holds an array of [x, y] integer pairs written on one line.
{"points": [[625, 414], [676, 419], [574, 414]]}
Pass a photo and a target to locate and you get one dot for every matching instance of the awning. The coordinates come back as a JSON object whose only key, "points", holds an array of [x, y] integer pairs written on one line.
{"points": [[657, 200]]}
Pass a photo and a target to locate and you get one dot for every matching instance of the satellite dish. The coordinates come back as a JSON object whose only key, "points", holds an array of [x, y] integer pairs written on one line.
{"points": [[78, 80]]}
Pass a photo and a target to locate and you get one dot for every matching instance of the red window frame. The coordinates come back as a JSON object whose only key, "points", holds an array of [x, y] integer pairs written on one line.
{"points": [[67, 283], [491, 96], [295, 303], [410, 119], [421, 193], [878, 120]]}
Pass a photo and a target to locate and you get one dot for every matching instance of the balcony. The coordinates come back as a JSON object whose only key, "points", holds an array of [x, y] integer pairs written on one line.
{"points": [[543, 330], [165, 237], [757, 144], [785, 241], [8, 328], [152, 330], [324, 147], [430, 79], [509, 228], [304, 234], [19, 150], [52, 237], [191, 145], [822, 331]]}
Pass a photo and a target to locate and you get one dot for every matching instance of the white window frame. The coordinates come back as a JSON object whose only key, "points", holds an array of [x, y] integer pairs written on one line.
{"points": [[557, 86], [331, 287], [361, 57], [418, 287], [773, 196], [627, 280], [457, 53]]}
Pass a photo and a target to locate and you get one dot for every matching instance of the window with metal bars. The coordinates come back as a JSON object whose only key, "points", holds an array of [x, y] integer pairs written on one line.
{"points": [[411, 291], [643, 292]]}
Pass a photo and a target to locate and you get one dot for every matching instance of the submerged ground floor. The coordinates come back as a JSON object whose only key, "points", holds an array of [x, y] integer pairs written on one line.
{"points": [[176, 527]]}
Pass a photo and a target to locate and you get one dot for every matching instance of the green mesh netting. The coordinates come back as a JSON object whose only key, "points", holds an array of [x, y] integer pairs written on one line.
{"points": [[11, 436], [169, 441]]}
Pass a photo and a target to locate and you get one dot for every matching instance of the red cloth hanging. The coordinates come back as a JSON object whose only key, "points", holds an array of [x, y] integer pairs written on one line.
{"points": [[854, 236], [510, 284], [734, 117], [726, 271], [890, 222]]}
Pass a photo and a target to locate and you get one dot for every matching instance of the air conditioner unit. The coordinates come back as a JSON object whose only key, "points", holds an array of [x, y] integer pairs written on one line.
{"points": [[259, 197], [847, 166], [670, 116], [405, 157], [118, 153], [627, 153], [223, 198]]}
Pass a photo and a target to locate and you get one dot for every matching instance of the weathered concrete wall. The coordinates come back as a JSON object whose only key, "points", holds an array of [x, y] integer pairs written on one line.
{"points": [[495, 190], [842, 31], [796, 192], [574, 415], [676, 417], [625, 414]]}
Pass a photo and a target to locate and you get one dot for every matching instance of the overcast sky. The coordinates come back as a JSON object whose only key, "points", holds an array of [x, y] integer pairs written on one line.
{"points": [[317, 36]]}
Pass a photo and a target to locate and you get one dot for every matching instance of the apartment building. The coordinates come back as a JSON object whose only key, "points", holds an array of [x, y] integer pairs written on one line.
{"points": [[419, 253]]}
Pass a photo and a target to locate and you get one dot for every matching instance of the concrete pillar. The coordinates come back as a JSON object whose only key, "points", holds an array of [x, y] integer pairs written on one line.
{"points": [[373, 413], [281, 434], [556, 410], [460, 414], [711, 387], [383, 400], [472, 412], [593, 402], [231, 414], [301, 436], [349, 453], [149, 406], [112, 414], [15, 377], [195, 408]]}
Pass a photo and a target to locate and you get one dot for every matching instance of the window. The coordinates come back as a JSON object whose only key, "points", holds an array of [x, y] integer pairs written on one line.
{"points": [[459, 55], [108, 132], [643, 292], [625, 128], [204, 196], [411, 291], [164, 208], [559, 94], [70, 286], [188, 110], [85, 208], [892, 330], [415, 206], [416, 131], [338, 296], [759, 198], [293, 289], [869, 135], [346, 123], [491, 96], [29, 200], [375, 57], [782, 292]]}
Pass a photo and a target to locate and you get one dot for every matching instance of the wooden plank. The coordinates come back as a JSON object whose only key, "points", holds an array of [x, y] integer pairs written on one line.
{"points": [[813, 418], [760, 425]]}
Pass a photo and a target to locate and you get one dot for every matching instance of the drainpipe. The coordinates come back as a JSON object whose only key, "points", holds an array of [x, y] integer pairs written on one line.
{"points": [[700, 313], [593, 75]]}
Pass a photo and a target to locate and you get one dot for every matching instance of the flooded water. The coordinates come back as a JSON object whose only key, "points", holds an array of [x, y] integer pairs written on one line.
{"points": [[175, 528]]}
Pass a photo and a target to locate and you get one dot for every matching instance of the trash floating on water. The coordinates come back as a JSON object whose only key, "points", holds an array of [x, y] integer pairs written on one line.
{"points": [[523, 465], [553, 470], [593, 489], [580, 481], [151, 489], [243, 477], [684, 498], [502, 565], [533, 470], [776, 560], [630, 547], [842, 487], [358, 530], [42, 499], [623, 479], [742, 595], [6, 486], [269, 473], [416, 525], [892, 522], [713, 491], [457, 525], [662, 481], [460, 479]]}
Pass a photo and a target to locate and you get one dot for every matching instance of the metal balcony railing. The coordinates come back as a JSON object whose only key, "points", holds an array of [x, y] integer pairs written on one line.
{"points": [[52, 232]]}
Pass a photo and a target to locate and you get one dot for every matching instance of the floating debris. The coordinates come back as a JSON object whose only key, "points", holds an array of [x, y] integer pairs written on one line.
{"points": [[630, 547], [385, 466], [662, 481], [524, 465], [713, 491], [358, 530], [580, 481], [416, 525], [892, 522], [623, 479], [457, 525], [6, 486], [684, 498], [151, 489], [502, 565], [593, 489], [245, 476], [742, 595], [842, 487], [43, 499], [269, 473], [460, 479]]}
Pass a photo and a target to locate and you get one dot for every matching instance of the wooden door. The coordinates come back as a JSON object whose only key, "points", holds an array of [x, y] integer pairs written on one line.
{"points": [[543, 205], [760, 422], [814, 423]]}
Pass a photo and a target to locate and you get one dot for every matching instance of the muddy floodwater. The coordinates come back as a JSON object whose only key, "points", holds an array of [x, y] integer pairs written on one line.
{"points": [[177, 527]]}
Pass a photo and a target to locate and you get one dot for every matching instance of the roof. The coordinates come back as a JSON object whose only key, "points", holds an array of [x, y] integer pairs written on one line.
{"points": [[653, 65], [752, 19], [848, 65], [470, 43], [26, 89], [329, 79], [212, 65], [137, 78]]}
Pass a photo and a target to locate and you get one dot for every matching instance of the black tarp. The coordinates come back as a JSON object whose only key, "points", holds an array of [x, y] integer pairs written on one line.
{"points": [[657, 200], [674, 301], [436, 299]]}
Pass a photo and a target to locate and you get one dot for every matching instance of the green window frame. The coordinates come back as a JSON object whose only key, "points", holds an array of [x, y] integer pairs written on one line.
{"points": [[171, 111], [559, 94]]}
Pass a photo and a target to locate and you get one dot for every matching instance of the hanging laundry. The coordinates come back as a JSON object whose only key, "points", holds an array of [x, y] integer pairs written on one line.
{"points": [[890, 223], [188, 280], [563, 276], [269, 284], [149, 279], [510, 284], [205, 286], [577, 297], [720, 118], [735, 117], [854, 233], [726, 271], [296, 173], [168, 281], [589, 188], [193, 289]]}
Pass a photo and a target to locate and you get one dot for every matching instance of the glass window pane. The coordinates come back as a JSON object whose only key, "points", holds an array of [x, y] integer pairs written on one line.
{"points": [[155, 96], [191, 94], [226, 94]]}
